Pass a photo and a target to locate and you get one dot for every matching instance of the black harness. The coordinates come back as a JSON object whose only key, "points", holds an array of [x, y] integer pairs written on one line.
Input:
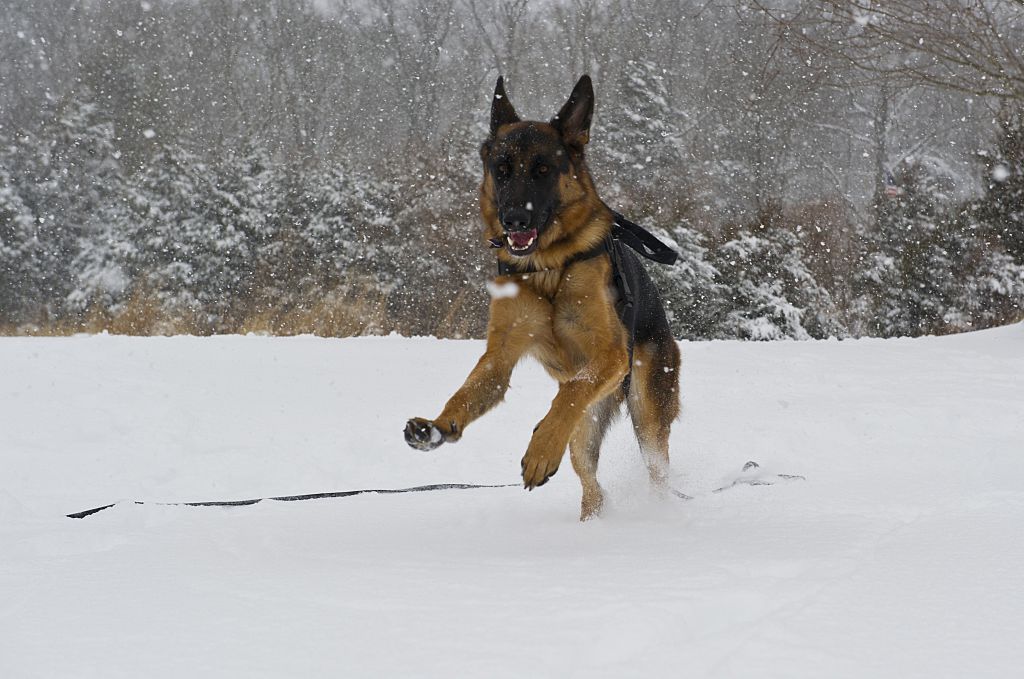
{"points": [[625, 267]]}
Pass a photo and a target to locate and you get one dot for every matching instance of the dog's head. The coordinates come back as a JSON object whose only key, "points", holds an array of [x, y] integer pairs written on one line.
{"points": [[532, 170]]}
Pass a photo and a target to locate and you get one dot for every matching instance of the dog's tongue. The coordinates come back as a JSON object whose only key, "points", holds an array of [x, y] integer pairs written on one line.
{"points": [[521, 239]]}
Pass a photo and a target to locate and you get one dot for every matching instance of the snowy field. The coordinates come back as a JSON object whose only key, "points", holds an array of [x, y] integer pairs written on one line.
{"points": [[900, 555]]}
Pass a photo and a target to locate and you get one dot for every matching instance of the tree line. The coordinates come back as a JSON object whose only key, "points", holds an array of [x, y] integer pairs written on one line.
{"points": [[288, 167]]}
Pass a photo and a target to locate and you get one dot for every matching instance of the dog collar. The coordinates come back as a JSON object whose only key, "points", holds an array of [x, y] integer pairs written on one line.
{"points": [[511, 268], [635, 236]]}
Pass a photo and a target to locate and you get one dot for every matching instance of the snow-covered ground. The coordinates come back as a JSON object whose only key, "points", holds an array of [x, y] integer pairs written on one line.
{"points": [[900, 555]]}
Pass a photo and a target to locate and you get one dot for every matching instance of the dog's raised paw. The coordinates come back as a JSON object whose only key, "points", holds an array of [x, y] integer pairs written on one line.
{"points": [[422, 434]]}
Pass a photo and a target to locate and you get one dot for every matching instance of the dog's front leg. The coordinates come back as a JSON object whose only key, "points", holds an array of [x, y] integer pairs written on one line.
{"points": [[547, 447], [483, 389], [515, 324], [585, 327]]}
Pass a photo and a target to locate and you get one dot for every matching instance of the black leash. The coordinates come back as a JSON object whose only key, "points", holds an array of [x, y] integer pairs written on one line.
{"points": [[298, 498], [749, 481]]}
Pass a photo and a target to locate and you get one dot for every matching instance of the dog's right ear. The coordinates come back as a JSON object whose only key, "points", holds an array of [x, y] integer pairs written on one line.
{"points": [[502, 112]]}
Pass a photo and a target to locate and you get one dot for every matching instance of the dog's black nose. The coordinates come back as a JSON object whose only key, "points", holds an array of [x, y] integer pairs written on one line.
{"points": [[517, 219]]}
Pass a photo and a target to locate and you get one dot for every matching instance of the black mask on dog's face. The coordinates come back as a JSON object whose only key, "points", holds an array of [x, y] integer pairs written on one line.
{"points": [[526, 161], [525, 165]]}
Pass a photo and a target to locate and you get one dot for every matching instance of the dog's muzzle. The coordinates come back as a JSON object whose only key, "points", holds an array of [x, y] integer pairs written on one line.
{"points": [[519, 235]]}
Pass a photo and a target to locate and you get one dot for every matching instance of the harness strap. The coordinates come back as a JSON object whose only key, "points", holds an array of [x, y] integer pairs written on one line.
{"points": [[643, 241]]}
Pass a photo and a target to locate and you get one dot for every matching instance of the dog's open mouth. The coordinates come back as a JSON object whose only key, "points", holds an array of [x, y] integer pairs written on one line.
{"points": [[521, 241]]}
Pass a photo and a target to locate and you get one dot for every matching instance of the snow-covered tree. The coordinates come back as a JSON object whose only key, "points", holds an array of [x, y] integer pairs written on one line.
{"points": [[988, 236], [103, 264], [89, 193], [245, 204], [195, 234], [441, 259], [1001, 208], [350, 231], [931, 268], [694, 298], [905, 284], [990, 284], [639, 156], [67, 180], [84, 172], [770, 293], [21, 254]]}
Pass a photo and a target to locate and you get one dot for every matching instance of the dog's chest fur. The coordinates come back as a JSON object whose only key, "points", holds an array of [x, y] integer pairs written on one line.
{"points": [[580, 306]]}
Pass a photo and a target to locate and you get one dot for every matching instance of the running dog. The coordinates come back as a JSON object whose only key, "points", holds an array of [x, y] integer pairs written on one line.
{"points": [[582, 305]]}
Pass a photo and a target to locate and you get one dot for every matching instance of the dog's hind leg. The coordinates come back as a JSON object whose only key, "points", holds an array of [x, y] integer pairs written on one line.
{"points": [[653, 403], [585, 450]]}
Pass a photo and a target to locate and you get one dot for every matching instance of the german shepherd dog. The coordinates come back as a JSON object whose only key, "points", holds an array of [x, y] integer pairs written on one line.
{"points": [[540, 207]]}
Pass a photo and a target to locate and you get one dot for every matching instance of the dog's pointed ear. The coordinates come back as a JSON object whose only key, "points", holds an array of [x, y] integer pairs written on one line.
{"points": [[573, 120], [502, 112]]}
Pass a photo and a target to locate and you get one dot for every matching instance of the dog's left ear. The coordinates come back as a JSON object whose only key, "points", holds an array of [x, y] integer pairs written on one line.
{"points": [[573, 120]]}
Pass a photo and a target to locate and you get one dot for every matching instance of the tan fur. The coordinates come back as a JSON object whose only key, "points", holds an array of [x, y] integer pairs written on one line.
{"points": [[567, 321], [585, 448], [653, 405]]}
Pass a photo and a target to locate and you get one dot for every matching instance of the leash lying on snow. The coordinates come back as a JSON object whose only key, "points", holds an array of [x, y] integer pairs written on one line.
{"points": [[298, 498], [748, 477]]}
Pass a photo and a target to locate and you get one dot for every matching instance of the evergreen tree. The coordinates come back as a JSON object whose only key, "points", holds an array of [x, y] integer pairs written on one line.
{"points": [[694, 298], [1001, 209], [80, 195], [244, 207], [906, 285], [103, 264], [770, 293], [989, 288], [931, 269], [639, 158], [41, 187], [174, 236], [351, 231], [989, 235], [67, 182], [22, 278], [439, 251], [289, 266]]}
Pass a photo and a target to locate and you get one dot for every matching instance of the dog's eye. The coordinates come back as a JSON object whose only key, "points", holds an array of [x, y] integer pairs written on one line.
{"points": [[543, 169], [503, 171]]}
